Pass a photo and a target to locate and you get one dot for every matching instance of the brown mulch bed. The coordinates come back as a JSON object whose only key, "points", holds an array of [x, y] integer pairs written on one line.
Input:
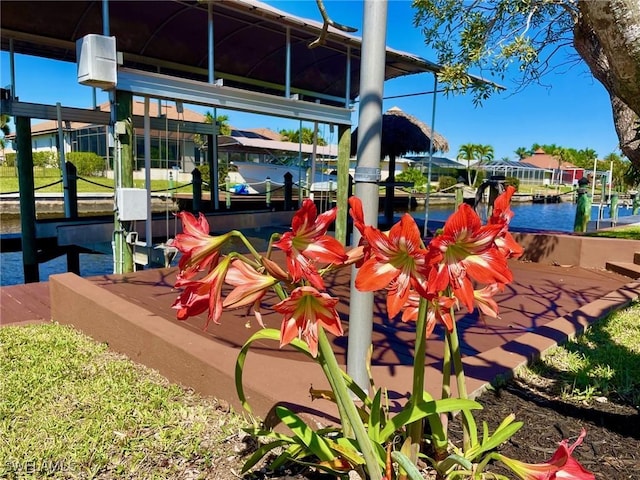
{"points": [[611, 449]]}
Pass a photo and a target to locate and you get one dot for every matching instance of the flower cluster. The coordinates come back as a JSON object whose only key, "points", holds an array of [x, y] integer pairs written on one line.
{"points": [[464, 265]]}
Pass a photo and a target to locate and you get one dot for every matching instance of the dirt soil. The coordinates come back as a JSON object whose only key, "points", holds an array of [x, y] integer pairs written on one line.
{"points": [[611, 449]]}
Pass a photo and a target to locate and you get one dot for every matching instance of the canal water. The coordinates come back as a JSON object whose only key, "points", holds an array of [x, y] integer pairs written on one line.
{"points": [[556, 217]]}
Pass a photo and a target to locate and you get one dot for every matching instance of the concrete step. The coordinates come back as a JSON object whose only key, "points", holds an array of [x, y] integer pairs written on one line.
{"points": [[627, 269], [636, 258]]}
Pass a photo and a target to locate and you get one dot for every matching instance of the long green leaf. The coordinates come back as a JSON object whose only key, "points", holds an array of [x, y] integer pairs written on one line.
{"points": [[264, 334], [357, 391], [413, 412], [445, 465], [290, 454], [500, 436], [353, 444], [407, 465], [261, 452], [311, 439], [375, 418], [347, 451]]}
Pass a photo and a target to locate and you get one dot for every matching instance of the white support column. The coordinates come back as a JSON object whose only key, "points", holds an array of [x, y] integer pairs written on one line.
{"points": [[367, 176]]}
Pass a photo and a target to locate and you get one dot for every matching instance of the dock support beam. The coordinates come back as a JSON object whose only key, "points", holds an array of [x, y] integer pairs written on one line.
{"points": [[27, 200], [71, 202], [342, 194], [123, 253]]}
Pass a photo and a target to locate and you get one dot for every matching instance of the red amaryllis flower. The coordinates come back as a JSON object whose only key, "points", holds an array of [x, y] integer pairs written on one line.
{"points": [[562, 465], [359, 254], [502, 215], [250, 287], [484, 299], [468, 253], [398, 257], [438, 310], [201, 295], [308, 243], [303, 311], [200, 251]]}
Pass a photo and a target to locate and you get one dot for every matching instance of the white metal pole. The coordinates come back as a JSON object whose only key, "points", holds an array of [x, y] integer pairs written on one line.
{"points": [[593, 185], [147, 171], [367, 176], [63, 163], [433, 132]]}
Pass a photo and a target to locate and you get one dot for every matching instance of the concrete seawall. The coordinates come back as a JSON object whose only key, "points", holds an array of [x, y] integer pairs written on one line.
{"points": [[94, 203]]}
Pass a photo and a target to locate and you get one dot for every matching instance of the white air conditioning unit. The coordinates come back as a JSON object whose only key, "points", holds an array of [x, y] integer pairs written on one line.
{"points": [[97, 61]]}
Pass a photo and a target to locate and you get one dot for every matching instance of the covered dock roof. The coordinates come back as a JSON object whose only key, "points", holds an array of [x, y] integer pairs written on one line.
{"points": [[171, 37]]}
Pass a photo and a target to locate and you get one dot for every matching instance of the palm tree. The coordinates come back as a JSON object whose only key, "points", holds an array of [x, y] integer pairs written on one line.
{"points": [[562, 155], [467, 152], [484, 153], [304, 135], [522, 152]]}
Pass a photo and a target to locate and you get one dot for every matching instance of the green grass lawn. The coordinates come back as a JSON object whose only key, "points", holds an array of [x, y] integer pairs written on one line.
{"points": [[93, 185], [70, 408], [603, 362], [629, 232]]}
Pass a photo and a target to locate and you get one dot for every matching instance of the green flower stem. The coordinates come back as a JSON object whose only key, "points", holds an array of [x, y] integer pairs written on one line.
{"points": [[247, 244], [347, 429], [454, 343], [446, 379], [342, 393], [415, 429], [456, 355]]}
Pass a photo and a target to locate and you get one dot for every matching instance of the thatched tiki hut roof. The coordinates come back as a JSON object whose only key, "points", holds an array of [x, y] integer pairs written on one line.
{"points": [[401, 134]]}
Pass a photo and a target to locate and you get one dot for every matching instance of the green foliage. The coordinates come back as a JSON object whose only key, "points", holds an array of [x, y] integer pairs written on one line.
{"points": [[87, 163], [45, 159], [4, 129], [475, 151], [513, 181], [223, 170], [479, 178], [446, 182], [40, 159], [490, 36], [414, 175], [304, 135], [10, 159], [223, 129]]}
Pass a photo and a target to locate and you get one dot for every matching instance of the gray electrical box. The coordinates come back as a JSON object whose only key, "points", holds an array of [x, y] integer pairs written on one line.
{"points": [[132, 204], [97, 61]]}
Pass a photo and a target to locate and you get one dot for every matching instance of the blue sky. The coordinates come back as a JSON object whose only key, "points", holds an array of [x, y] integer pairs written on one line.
{"points": [[574, 112]]}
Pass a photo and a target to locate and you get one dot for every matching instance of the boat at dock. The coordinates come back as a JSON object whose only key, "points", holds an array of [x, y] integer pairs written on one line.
{"points": [[254, 175]]}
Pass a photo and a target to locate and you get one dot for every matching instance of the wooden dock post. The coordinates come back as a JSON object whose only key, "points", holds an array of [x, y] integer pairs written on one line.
{"points": [[583, 207], [73, 255], [124, 153], [459, 192], [267, 182], [27, 200], [288, 191], [613, 208], [343, 189]]}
